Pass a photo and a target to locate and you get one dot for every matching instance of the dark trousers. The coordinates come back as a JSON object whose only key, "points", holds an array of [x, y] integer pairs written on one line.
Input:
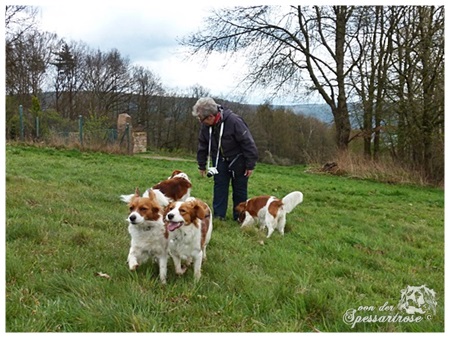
{"points": [[222, 180]]}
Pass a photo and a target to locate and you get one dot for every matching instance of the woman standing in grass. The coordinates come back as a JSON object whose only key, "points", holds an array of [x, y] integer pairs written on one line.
{"points": [[222, 129]]}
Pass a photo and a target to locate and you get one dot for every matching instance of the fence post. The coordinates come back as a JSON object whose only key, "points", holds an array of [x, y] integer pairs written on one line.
{"points": [[37, 127], [21, 122], [80, 127]]}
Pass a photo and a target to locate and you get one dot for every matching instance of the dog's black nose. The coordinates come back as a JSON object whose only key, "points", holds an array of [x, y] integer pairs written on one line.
{"points": [[170, 216], [132, 218]]}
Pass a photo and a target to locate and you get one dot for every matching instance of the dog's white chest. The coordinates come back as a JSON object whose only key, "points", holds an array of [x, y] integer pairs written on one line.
{"points": [[150, 239], [185, 242]]}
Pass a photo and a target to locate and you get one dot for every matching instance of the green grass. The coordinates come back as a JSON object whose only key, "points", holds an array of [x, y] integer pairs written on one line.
{"points": [[351, 243]]}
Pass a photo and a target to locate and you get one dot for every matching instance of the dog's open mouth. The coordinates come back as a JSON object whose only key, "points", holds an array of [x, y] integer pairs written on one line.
{"points": [[172, 226]]}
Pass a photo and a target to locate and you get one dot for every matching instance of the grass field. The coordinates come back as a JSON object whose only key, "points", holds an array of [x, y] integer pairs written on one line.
{"points": [[351, 244]]}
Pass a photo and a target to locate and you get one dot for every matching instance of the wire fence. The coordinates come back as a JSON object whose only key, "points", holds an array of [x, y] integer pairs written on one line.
{"points": [[78, 134]]}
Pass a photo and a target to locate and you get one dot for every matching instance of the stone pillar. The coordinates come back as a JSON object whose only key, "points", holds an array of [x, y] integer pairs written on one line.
{"points": [[140, 142], [122, 121]]}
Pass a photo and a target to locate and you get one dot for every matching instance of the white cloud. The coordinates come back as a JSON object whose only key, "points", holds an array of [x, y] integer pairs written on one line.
{"points": [[179, 71]]}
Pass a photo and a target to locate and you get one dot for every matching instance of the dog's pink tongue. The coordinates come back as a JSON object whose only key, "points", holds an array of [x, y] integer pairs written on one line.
{"points": [[173, 226]]}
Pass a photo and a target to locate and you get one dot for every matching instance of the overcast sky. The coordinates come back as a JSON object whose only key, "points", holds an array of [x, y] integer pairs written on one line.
{"points": [[148, 34]]}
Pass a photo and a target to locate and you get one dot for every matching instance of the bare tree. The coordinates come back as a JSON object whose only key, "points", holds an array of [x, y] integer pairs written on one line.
{"points": [[373, 66], [145, 85], [69, 63], [19, 20], [27, 60], [283, 46], [198, 91], [107, 83], [417, 89]]}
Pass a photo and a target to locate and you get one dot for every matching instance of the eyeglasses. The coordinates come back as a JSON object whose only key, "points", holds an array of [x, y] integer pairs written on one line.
{"points": [[203, 119]]}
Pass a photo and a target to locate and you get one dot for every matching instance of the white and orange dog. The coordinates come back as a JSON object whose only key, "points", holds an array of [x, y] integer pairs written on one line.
{"points": [[175, 188], [269, 211], [149, 238], [189, 225]]}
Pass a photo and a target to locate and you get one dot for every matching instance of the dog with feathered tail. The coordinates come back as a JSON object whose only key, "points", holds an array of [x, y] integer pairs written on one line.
{"points": [[269, 211]]}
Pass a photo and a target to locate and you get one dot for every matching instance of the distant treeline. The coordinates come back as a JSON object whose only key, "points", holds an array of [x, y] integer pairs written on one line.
{"points": [[282, 136]]}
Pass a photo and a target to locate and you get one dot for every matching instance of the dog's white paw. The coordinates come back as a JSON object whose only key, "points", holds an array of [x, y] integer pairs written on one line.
{"points": [[181, 271], [133, 265]]}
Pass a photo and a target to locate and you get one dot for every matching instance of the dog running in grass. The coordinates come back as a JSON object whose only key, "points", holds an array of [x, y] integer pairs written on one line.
{"points": [[189, 225], [149, 238], [269, 211]]}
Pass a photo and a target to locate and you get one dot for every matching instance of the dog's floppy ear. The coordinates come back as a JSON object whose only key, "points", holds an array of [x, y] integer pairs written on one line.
{"points": [[241, 207], [199, 210], [175, 172]]}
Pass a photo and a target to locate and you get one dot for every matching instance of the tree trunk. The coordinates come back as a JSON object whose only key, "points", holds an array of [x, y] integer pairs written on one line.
{"points": [[340, 113], [342, 125]]}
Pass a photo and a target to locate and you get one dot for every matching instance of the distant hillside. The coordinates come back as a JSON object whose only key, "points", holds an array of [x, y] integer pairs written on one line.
{"points": [[321, 112]]}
